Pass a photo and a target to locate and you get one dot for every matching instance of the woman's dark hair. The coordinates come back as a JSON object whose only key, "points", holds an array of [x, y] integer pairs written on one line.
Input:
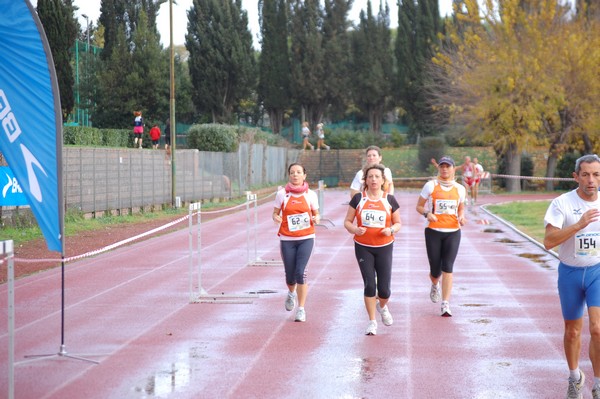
{"points": [[296, 164], [366, 170]]}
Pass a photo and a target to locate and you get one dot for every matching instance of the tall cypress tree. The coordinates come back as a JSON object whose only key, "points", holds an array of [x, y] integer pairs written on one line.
{"points": [[112, 18], [134, 74], [61, 29], [115, 102], [149, 71], [307, 58], [337, 59], [372, 64], [274, 62], [117, 13], [418, 25], [221, 57], [244, 75]]}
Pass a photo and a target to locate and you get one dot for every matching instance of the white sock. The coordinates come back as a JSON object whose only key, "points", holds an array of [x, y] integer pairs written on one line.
{"points": [[596, 383], [575, 375]]}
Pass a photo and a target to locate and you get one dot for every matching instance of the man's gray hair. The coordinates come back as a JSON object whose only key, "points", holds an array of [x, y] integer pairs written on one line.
{"points": [[589, 158]]}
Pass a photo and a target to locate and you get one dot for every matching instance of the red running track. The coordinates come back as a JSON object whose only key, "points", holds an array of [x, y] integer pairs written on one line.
{"points": [[129, 310]]}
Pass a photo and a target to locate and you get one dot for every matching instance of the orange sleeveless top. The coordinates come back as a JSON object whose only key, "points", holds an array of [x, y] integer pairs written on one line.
{"points": [[375, 215], [296, 217], [445, 207]]}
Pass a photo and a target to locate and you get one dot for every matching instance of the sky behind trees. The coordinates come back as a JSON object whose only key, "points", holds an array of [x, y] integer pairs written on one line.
{"points": [[92, 10]]}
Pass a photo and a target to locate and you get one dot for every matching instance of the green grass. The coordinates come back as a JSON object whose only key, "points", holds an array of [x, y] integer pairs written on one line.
{"points": [[525, 216], [76, 222], [404, 161]]}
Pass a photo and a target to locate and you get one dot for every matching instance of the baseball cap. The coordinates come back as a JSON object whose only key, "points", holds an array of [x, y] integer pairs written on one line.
{"points": [[447, 161]]}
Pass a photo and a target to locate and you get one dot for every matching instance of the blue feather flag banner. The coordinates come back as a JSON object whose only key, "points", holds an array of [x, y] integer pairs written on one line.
{"points": [[30, 116]]}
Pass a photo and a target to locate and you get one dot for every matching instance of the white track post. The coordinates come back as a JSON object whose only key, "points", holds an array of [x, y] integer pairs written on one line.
{"points": [[192, 208], [321, 198], [199, 247], [7, 256], [202, 296], [249, 196], [256, 261], [254, 199]]}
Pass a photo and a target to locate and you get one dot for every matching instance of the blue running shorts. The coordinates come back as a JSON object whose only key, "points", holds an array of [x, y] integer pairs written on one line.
{"points": [[578, 286]]}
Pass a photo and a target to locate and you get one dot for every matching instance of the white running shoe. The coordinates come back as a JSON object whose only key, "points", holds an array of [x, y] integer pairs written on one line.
{"points": [[386, 316], [435, 293], [446, 309], [575, 390], [371, 328], [300, 315], [290, 301]]}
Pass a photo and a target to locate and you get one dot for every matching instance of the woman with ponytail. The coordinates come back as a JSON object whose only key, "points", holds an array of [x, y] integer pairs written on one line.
{"points": [[442, 205], [297, 212]]}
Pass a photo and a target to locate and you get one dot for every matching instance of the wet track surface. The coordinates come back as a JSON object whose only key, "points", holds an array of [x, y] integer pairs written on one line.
{"points": [[129, 310]]}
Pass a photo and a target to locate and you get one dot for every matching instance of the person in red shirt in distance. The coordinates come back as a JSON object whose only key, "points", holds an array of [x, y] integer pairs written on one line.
{"points": [[155, 136]]}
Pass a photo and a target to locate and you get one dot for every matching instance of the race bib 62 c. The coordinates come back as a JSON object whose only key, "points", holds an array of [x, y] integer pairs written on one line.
{"points": [[299, 221]]}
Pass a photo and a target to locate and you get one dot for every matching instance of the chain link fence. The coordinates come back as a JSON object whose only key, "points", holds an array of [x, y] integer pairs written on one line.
{"points": [[120, 180]]}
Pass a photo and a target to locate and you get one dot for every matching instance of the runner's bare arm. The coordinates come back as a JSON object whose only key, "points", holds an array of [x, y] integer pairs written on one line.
{"points": [[555, 236], [276, 215], [349, 223], [316, 216]]}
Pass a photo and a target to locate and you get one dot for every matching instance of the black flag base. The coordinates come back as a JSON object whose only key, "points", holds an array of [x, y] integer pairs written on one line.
{"points": [[63, 353]]}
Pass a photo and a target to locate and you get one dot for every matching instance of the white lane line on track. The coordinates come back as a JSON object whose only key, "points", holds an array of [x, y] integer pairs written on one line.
{"points": [[283, 323], [87, 299], [104, 259]]}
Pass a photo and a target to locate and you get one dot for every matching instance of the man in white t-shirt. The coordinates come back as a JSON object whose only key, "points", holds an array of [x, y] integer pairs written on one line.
{"points": [[573, 222]]}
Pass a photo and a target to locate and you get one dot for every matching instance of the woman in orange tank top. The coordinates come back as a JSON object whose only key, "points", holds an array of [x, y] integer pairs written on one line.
{"points": [[442, 204], [297, 212], [377, 216]]}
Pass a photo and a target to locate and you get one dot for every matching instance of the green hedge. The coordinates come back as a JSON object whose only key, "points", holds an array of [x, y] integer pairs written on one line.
{"points": [[94, 137], [352, 139], [213, 137]]}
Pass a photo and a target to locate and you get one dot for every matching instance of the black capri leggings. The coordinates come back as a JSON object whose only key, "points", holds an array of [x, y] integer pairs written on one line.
{"points": [[442, 248], [376, 269]]}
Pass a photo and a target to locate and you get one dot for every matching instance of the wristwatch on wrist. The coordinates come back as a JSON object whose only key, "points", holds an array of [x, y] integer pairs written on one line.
{"points": [[425, 214]]}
